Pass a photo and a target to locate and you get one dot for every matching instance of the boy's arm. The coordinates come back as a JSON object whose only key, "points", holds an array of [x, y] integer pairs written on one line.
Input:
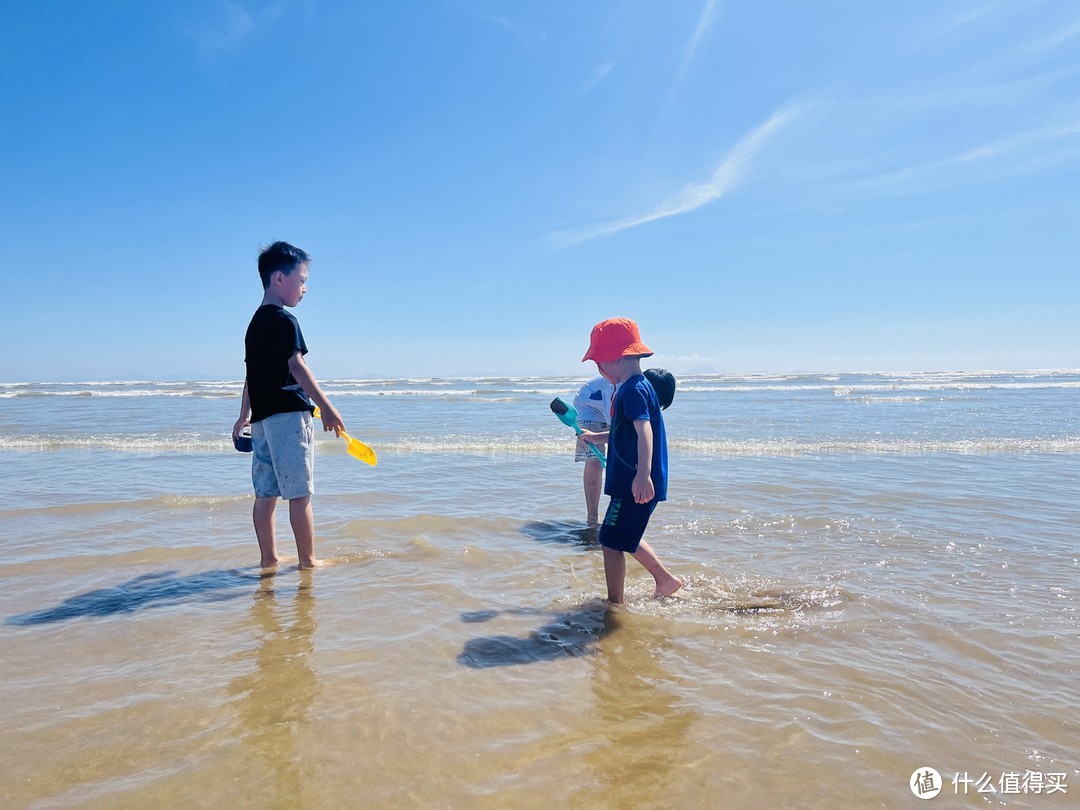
{"points": [[245, 414], [594, 436], [642, 487], [331, 419]]}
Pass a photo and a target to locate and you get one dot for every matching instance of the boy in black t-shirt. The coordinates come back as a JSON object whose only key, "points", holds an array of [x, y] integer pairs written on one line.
{"points": [[279, 389]]}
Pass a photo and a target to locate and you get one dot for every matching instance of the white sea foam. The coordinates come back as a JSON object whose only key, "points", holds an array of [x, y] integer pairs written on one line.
{"points": [[794, 447], [849, 385], [857, 388], [747, 415], [119, 442], [397, 392], [889, 400], [481, 445]]}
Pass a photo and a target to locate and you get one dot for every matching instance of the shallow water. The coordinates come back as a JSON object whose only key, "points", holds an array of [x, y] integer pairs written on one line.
{"points": [[881, 578]]}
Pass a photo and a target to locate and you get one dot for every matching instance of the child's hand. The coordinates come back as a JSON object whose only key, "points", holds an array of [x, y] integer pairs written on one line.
{"points": [[592, 437], [642, 488], [331, 419], [241, 423]]}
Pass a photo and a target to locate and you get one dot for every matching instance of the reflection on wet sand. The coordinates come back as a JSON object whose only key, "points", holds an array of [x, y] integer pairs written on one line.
{"points": [[641, 732], [634, 734], [274, 699]]}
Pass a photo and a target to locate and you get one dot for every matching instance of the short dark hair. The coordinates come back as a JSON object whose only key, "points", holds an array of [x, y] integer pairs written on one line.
{"points": [[280, 256], [663, 382]]}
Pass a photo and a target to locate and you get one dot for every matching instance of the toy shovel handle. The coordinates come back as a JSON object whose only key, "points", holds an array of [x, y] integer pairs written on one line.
{"points": [[568, 416], [596, 452], [356, 448]]}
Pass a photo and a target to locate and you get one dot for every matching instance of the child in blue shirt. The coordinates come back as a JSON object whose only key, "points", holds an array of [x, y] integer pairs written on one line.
{"points": [[637, 457]]}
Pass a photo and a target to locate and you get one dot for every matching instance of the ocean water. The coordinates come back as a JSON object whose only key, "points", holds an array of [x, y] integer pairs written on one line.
{"points": [[915, 536]]}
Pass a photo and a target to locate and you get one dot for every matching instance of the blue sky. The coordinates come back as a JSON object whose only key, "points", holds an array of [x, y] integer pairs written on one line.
{"points": [[765, 186]]}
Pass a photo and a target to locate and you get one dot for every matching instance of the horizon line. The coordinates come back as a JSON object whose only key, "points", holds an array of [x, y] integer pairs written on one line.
{"points": [[176, 379]]}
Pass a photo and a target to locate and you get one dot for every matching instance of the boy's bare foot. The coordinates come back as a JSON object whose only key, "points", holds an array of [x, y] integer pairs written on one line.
{"points": [[669, 586], [270, 563], [312, 563]]}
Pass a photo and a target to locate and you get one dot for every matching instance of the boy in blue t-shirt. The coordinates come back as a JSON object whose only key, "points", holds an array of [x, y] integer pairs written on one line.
{"points": [[637, 456]]}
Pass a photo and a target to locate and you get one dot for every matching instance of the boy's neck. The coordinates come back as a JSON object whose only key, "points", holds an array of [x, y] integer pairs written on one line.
{"points": [[625, 368], [270, 298]]}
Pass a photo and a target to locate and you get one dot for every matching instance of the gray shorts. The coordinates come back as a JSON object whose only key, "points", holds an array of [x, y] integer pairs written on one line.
{"points": [[283, 456], [581, 452]]}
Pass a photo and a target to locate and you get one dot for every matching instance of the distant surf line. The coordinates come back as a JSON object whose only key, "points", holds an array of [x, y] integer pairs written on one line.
{"points": [[467, 445]]}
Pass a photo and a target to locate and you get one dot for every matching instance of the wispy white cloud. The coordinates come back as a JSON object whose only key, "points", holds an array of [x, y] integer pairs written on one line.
{"points": [[1052, 42], [527, 35], [1037, 149], [1015, 92], [981, 13], [978, 92], [1049, 48], [238, 23], [733, 170], [707, 17], [1053, 159], [600, 74]]}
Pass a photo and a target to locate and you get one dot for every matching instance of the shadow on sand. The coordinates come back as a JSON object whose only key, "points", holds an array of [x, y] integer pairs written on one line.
{"points": [[570, 634], [149, 590]]}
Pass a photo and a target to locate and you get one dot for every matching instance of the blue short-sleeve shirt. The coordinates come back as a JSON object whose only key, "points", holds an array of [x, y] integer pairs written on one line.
{"points": [[635, 399]]}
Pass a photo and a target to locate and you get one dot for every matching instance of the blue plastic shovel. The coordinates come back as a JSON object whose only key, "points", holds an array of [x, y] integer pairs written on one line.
{"points": [[567, 414]]}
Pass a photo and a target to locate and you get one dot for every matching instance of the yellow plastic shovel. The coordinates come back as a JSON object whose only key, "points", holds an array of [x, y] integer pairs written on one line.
{"points": [[356, 448]]}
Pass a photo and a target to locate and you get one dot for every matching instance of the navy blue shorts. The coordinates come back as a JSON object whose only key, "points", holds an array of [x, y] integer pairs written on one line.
{"points": [[624, 523]]}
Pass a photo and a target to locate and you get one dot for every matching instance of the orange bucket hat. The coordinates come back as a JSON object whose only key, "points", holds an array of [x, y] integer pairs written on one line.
{"points": [[615, 338]]}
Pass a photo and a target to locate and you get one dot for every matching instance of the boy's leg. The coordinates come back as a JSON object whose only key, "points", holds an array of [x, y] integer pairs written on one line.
{"points": [[288, 470], [666, 583], [262, 515], [615, 574], [594, 482], [303, 526], [624, 526]]}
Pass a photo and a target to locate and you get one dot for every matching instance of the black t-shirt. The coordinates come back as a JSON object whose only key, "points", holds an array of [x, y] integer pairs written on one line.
{"points": [[273, 336]]}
